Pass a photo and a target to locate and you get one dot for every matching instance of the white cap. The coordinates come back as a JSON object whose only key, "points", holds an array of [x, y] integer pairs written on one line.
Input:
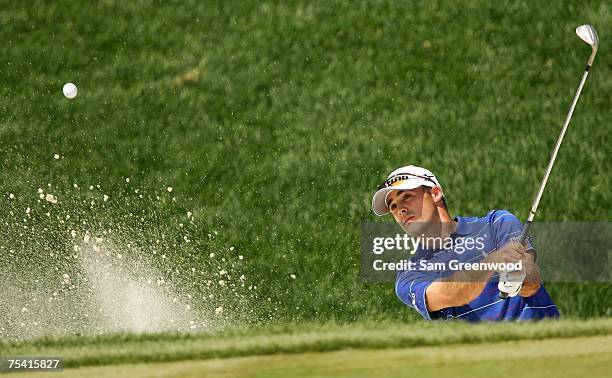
{"points": [[404, 178]]}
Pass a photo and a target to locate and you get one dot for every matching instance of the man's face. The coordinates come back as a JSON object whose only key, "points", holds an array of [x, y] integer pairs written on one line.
{"points": [[413, 209]]}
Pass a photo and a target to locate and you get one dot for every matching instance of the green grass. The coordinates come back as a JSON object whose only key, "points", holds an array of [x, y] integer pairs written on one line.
{"points": [[275, 121], [534, 358], [291, 339]]}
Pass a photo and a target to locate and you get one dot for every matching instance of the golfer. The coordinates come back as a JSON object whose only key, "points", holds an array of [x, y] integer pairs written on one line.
{"points": [[415, 199]]}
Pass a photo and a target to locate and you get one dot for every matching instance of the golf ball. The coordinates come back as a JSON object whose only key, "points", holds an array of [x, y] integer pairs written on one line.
{"points": [[70, 90]]}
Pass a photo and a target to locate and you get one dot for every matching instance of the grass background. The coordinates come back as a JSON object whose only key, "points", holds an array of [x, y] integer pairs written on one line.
{"points": [[275, 121], [293, 338], [561, 357]]}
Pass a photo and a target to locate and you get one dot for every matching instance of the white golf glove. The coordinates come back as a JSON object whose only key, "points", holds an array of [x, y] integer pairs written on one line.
{"points": [[511, 282]]}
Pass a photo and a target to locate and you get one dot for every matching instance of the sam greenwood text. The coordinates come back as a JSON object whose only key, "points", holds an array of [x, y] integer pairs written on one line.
{"points": [[452, 265]]}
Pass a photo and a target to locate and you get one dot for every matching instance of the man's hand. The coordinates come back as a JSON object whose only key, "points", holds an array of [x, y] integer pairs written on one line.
{"points": [[533, 280], [510, 282], [510, 253]]}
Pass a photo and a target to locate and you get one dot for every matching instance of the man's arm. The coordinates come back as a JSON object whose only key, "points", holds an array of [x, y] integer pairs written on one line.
{"points": [[464, 286]]}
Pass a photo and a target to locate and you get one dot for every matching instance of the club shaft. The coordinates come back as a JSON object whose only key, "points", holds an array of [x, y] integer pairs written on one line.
{"points": [[553, 156], [551, 162]]}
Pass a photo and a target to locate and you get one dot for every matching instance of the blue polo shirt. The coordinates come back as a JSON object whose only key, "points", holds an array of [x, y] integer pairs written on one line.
{"points": [[493, 231]]}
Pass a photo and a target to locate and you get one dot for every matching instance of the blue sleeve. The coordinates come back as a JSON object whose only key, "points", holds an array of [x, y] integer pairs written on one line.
{"points": [[410, 288], [506, 227]]}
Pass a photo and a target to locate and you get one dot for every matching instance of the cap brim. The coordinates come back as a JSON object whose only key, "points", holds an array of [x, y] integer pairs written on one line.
{"points": [[379, 205]]}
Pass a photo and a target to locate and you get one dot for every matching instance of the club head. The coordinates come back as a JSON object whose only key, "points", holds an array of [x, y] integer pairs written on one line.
{"points": [[589, 35]]}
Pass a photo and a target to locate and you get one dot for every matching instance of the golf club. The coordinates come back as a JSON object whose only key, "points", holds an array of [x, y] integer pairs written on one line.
{"points": [[589, 35]]}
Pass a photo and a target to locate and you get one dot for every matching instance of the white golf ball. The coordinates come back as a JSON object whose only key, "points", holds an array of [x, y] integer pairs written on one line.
{"points": [[70, 90]]}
